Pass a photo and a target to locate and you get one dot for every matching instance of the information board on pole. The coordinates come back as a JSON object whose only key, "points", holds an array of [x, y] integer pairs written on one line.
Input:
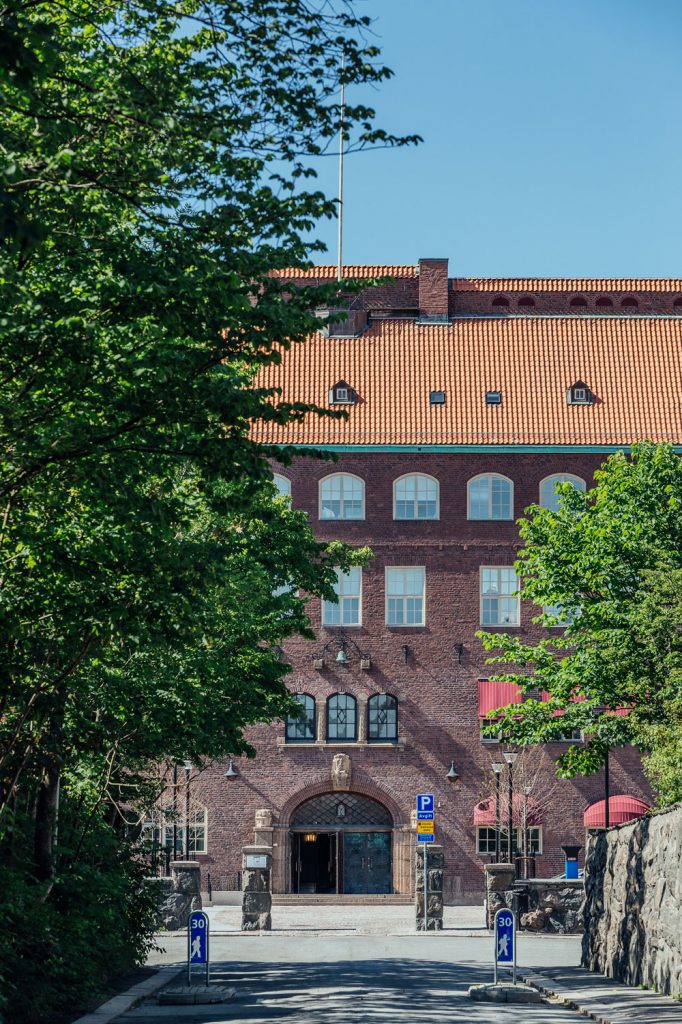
{"points": [[197, 943], [505, 940]]}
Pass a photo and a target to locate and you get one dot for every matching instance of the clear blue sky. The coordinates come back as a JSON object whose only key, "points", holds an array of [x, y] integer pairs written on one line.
{"points": [[552, 139]]}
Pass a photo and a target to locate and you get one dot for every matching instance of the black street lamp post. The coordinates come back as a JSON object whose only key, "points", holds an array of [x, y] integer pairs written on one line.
{"points": [[188, 768], [510, 756], [497, 767]]}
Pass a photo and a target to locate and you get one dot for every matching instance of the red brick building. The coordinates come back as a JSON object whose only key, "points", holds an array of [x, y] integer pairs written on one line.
{"points": [[466, 400]]}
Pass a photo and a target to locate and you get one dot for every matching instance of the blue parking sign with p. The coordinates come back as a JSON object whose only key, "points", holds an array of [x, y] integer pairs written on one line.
{"points": [[425, 803]]}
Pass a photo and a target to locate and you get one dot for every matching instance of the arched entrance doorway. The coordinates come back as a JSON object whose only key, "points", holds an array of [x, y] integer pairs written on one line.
{"points": [[341, 843]]}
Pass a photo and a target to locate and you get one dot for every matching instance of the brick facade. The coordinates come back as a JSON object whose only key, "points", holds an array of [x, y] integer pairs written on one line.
{"points": [[438, 712]]}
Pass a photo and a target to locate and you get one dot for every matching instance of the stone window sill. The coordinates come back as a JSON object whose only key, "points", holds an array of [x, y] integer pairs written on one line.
{"points": [[350, 745]]}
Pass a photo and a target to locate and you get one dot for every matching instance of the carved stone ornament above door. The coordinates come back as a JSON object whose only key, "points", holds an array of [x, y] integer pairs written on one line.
{"points": [[341, 771]]}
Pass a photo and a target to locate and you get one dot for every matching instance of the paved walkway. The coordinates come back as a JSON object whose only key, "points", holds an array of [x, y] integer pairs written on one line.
{"points": [[366, 965]]}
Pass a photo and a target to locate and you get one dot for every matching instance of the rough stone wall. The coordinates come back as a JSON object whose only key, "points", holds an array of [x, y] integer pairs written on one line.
{"points": [[178, 895], [437, 695], [547, 905], [633, 889]]}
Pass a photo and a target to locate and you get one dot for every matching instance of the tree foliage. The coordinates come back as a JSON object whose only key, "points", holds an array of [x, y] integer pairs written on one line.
{"points": [[611, 558], [155, 168]]}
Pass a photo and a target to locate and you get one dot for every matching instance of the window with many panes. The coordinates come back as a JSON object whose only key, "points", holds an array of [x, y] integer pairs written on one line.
{"points": [[169, 824], [342, 717], [549, 498], [486, 836], [300, 728], [561, 616], [282, 484], [347, 612], [342, 496], [490, 496], [415, 497], [499, 600], [405, 596], [382, 718]]}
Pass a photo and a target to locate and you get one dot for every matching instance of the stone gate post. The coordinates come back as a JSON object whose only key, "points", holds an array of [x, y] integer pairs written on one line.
{"points": [[256, 888]]}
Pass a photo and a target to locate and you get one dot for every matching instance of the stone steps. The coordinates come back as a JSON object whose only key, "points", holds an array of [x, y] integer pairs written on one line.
{"points": [[343, 900]]}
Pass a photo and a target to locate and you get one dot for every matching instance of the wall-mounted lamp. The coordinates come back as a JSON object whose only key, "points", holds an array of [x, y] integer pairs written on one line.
{"points": [[346, 651], [231, 772], [459, 651], [452, 774], [406, 653]]}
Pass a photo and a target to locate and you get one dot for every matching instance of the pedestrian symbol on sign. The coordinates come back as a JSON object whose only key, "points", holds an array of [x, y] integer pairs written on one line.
{"points": [[505, 939], [197, 942]]}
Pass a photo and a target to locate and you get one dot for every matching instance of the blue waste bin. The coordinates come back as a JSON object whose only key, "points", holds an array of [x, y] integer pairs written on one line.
{"points": [[571, 860]]}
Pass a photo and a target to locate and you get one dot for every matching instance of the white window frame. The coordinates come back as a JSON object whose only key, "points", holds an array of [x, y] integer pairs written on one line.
{"points": [[283, 485], [341, 517], [405, 597], [489, 517], [563, 478], [161, 826], [330, 610], [416, 517], [517, 847], [500, 595]]}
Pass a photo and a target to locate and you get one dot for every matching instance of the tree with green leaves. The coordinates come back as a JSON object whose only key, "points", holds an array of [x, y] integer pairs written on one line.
{"points": [[609, 563], [156, 167]]}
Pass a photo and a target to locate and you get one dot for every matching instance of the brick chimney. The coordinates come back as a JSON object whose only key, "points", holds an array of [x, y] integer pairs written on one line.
{"points": [[433, 291]]}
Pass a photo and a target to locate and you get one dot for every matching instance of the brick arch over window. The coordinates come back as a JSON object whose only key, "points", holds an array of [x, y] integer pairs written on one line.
{"points": [[501, 302], [359, 786]]}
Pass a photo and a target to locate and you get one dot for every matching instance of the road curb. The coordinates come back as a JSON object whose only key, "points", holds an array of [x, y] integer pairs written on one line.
{"points": [[615, 1001], [125, 1001]]}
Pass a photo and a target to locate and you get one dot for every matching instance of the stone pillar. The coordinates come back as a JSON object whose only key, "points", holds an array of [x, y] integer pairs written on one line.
{"points": [[499, 882], [362, 719], [435, 862], [256, 888]]}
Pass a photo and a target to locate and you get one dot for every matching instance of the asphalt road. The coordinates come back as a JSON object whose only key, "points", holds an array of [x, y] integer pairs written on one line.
{"points": [[324, 978]]}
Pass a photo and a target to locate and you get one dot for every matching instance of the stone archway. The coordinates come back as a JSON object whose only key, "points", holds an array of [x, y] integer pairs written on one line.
{"points": [[349, 842]]}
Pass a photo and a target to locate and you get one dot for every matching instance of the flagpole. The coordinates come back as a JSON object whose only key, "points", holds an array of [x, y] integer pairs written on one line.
{"points": [[340, 257]]}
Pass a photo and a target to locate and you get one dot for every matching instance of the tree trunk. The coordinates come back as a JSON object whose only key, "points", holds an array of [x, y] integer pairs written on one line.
{"points": [[45, 834]]}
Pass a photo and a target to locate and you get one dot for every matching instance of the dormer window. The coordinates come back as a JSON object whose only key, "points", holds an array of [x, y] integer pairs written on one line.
{"points": [[579, 394], [342, 394], [493, 398], [437, 398]]}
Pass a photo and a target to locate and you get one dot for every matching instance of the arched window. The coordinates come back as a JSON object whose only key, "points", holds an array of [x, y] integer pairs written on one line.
{"points": [[629, 302], [677, 304], [342, 496], [300, 728], [382, 718], [282, 484], [526, 302], [604, 302], [501, 302], [548, 494], [415, 497], [490, 496], [578, 302], [342, 717]]}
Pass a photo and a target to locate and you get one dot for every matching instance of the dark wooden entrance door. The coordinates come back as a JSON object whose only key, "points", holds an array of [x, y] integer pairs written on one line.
{"points": [[366, 862]]}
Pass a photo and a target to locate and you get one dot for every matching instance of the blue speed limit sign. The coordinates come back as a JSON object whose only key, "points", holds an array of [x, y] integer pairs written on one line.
{"points": [[197, 942], [505, 939]]}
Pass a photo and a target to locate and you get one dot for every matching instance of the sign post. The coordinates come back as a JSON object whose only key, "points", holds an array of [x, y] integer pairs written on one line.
{"points": [[425, 815], [504, 931], [197, 942]]}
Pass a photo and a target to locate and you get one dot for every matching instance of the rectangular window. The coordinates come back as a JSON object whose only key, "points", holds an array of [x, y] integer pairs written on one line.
{"points": [[485, 840], [564, 617], [197, 838], [405, 596], [348, 611], [499, 600]]}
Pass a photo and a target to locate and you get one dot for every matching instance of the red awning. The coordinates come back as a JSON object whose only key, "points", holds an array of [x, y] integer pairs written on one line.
{"points": [[485, 813], [496, 695], [621, 809]]}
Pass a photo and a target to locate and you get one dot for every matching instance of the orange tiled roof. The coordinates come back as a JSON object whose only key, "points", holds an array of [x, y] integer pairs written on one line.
{"points": [[567, 284], [328, 271], [632, 365]]}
